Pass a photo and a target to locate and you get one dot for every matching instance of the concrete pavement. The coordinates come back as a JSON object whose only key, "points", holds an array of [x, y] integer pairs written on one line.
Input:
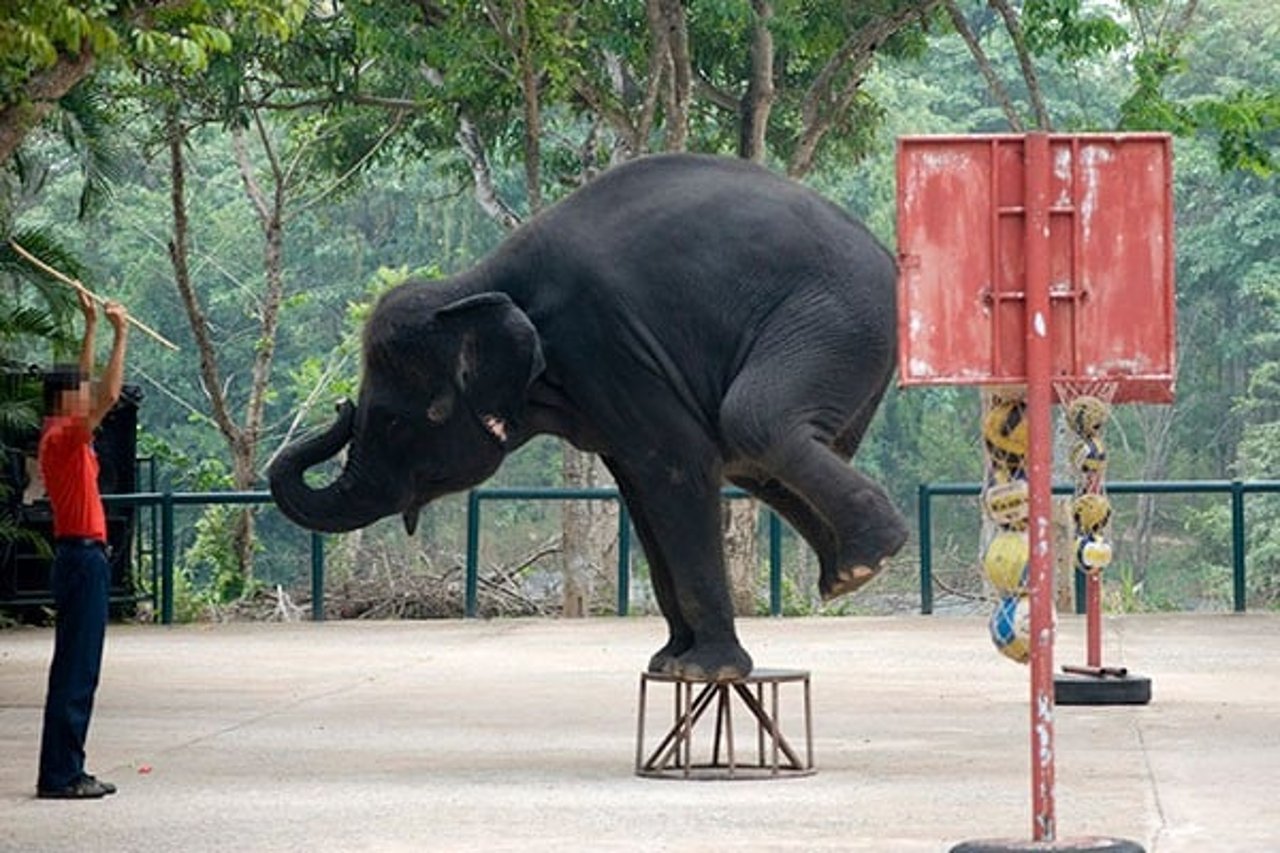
{"points": [[520, 735]]}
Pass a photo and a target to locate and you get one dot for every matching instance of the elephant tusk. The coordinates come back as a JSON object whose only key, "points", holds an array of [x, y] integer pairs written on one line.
{"points": [[496, 426]]}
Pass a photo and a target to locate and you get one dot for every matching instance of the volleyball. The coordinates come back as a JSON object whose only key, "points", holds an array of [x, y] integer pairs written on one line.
{"points": [[1011, 628], [1093, 552], [1005, 562], [1091, 513], [1089, 456], [1005, 500], [1004, 430], [1086, 415]]}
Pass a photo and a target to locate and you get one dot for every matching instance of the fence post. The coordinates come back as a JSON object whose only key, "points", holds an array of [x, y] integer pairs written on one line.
{"points": [[924, 509], [472, 581], [1237, 546], [775, 564], [624, 560], [166, 556], [317, 577]]}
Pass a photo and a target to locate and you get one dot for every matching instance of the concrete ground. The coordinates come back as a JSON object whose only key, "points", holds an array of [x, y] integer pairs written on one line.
{"points": [[520, 735]]}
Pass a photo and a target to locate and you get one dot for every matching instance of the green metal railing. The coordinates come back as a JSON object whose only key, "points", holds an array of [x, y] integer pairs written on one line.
{"points": [[477, 496], [167, 501], [1237, 489]]}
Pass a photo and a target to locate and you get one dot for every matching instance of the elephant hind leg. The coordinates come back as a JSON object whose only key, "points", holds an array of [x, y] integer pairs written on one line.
{"points": [[847, 518]]}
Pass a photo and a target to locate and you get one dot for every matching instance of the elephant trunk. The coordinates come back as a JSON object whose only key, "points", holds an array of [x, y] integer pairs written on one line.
{"points": [[335, 508]]}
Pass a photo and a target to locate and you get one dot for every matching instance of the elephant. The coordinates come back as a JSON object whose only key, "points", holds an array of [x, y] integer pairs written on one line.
{"points": [[692, 319]]}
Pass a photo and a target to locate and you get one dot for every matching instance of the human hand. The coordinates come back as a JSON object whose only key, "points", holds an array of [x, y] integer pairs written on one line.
{"points": [[87, 307], [117, 315]]}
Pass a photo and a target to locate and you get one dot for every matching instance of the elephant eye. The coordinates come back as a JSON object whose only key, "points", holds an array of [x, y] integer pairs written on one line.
{"points": [[395, 425]]}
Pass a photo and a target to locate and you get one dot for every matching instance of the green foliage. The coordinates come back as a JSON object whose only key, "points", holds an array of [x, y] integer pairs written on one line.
{"points": [[1067, 32]]}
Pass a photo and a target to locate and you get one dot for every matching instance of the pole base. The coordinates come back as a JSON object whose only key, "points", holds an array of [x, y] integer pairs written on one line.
{"points": [[1076, 845], [1083, 689]]}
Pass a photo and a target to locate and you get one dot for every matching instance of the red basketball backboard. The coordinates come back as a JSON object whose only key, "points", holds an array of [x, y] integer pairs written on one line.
{"points": [[960, 247]]}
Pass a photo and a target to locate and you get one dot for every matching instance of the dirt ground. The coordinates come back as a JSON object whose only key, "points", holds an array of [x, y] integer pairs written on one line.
{"points": [[521, 735]]}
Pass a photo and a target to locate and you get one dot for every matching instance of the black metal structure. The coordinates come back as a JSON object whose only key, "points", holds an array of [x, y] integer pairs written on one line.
{"points": [[25, 559]]}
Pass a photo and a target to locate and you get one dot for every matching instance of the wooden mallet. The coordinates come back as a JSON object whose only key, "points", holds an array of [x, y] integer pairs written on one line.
{"points": [[66, 279]]}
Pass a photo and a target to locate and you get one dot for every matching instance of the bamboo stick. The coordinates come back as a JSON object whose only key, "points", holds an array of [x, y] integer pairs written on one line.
{"points": [[66, 279]]}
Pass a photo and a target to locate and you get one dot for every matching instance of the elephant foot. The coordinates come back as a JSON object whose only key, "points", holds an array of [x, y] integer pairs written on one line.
{"points": [[858, 569], [664, 659], [847, 580], [714, 662]]}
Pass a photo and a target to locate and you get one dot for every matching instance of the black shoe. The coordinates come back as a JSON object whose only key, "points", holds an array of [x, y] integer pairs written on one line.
{"points": [[84, 788], [106, 786]]}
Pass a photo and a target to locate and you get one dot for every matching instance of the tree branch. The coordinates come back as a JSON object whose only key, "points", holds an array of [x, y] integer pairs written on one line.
{"points": [[822, 107], [486, 193], [997, 88], [39, 97], [1024, 59], [182, 277]]}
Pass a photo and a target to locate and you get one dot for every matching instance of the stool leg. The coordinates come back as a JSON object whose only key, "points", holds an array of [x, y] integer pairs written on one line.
{"points": [[808, 725], [728, 725], [759, 727], [640, 724], [776, 733], [715, 743], [687, 734]]}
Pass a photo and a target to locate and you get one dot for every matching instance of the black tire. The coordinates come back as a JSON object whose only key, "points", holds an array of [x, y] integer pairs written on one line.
{"points": [[1070, 689]]}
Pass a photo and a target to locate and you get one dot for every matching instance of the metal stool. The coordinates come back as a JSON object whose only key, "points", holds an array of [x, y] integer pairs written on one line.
{"points": [[672, 758]]}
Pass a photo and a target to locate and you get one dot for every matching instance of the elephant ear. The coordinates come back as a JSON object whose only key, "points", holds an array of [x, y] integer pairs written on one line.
{"points": [[496, 355]]}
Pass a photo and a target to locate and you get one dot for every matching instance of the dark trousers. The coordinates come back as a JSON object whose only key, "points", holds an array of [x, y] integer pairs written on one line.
{"points": [[81, 577]]}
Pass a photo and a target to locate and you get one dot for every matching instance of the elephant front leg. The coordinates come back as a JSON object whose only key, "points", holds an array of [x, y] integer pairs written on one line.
{"points": [[680, 635], [680, 512]]}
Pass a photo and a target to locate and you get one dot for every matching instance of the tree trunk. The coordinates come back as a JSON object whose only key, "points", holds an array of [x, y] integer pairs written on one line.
{"points": [[757, 102], [742, 552], [1156, 423], [589, 533]]}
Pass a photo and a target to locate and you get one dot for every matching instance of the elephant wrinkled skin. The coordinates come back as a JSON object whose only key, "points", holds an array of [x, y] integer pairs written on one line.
{"points": [[692, 320]]}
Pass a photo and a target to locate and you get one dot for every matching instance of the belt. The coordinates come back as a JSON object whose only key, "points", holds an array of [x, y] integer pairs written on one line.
{"points": [[80, 542]]}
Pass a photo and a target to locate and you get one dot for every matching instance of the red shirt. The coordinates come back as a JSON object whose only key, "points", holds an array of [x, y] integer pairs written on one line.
{"points": [[70, 470]]}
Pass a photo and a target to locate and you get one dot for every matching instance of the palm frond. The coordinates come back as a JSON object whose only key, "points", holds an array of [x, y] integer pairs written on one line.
{"points": [[90, 128]]}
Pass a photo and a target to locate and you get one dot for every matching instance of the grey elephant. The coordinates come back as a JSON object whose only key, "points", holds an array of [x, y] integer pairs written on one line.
{"points": [[692, 320]]}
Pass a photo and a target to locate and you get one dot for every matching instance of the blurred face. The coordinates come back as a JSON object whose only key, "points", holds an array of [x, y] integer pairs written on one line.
{"points": [[76, 402]]}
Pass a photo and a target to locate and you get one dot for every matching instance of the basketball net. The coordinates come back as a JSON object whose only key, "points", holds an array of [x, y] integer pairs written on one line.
{"points": [[1086, 410]]}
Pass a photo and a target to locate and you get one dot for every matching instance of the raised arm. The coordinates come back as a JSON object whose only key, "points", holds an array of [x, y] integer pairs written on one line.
{"points": [[90, 312], [113, 376]]}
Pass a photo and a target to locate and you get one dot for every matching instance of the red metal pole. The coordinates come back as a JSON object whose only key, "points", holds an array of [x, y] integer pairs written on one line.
{"points": [[1093, 618], [1036, 164]]}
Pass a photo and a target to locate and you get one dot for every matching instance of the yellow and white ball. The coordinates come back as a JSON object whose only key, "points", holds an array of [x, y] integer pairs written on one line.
{"points": [[1091, 513], [1093, 552], [1087, 415], [1089, 456], [1010, 626], [1005, 562], [1005, 500], [1005, 432]]}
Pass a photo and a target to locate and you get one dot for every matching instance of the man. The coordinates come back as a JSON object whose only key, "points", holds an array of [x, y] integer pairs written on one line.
{"points": [[81, 572]]}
